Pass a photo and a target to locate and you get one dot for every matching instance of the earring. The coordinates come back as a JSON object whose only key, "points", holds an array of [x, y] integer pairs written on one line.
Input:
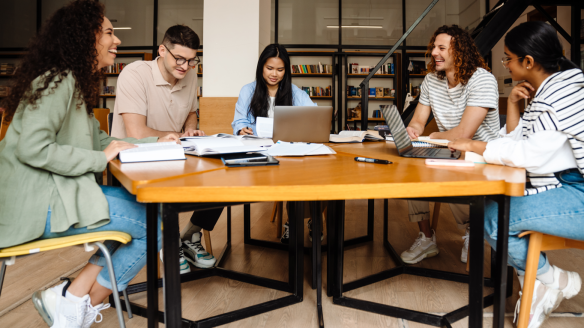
{"points": [[527, 67]]}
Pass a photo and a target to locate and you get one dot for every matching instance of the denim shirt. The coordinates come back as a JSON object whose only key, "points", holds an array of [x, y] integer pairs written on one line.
{"points": [[243, 118]]}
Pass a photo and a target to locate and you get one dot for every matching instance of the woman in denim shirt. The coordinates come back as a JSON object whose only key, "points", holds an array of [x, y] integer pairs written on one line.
{"points": [[548, 141], [272, 87]]}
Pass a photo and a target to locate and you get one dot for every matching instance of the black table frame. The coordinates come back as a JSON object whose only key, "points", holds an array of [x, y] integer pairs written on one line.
{"points": [[172, 316], [501, 275], [276, 245]]}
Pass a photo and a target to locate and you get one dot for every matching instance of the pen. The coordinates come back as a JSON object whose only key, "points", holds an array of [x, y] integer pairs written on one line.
{"points": [[372, 160]]}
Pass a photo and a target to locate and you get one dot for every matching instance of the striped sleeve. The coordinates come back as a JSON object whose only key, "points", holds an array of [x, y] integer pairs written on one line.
{"points": [[483, 91]]}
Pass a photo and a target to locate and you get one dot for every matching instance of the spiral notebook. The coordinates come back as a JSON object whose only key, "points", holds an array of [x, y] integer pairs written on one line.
{"points": [[423, 144]]}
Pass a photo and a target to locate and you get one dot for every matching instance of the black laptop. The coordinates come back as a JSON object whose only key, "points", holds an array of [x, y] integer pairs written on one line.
{"points": [[404, 144]]}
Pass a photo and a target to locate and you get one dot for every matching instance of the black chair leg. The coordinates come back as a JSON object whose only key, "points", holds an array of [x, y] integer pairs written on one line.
{"points": [[2, 274]]}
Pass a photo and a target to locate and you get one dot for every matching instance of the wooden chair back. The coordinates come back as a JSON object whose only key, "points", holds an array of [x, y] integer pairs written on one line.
{"points": [[216, 114], [538, 242], [3, 126], [101, 115]]}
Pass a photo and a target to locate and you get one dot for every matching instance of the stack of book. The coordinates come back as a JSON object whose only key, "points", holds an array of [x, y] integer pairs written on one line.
{"points": [[318, 91], [4, 91], [115, 68], [108, 90], [354, 68], [7, 69], [312, 69]]}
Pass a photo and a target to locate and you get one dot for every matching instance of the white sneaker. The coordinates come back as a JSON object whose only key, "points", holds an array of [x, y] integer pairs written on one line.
{"points": [[57, 310], [182, 262], [538, 314], [196, 254], [422, 248], [92, 313], [464, 253], [574, 282]]}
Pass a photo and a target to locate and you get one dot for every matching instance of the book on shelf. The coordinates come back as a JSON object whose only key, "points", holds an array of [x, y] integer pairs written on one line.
{"points": [[108, 90], [372, 92], [150, 152], [377, 114], [5, 91], [317, 91], [312, 69], [7, 69], [354, 68], [115, 68], [379, 92], [346, 136], [200, 91], [200, 69]]}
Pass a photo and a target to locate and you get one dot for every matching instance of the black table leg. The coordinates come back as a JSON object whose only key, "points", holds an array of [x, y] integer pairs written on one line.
{"points": [[317, 258], [152, 263], [338, 232], [172, 292], [477, 254], [504, 203]]}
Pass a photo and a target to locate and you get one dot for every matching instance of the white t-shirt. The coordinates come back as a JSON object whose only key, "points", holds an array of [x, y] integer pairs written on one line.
{"points": [[272, 104], [448, 104]]}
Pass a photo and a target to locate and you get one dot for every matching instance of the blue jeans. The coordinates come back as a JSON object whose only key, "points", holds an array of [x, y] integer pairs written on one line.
{"points": [[127, 216], [558, 212]]}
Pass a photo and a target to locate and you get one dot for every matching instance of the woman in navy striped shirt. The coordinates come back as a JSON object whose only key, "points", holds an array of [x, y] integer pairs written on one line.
{"points": [[548, 141]]}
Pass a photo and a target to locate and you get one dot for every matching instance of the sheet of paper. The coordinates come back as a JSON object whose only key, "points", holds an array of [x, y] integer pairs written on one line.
{"points": [[265, 127], [292, 149]]}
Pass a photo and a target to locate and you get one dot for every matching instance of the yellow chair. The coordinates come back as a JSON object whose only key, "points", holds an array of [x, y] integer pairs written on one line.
{"points": [[538, 242], [8, 257]]}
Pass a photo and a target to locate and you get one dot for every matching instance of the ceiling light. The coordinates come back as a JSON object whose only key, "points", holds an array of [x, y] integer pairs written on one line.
{"points": [[355, 26], [122, 28]]}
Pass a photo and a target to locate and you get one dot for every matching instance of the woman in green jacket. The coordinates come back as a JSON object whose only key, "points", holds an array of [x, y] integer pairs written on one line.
{"points": [[53, 151]]}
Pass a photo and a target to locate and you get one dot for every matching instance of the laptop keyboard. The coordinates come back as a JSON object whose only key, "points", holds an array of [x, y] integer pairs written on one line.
{"points": [[418, 152]]}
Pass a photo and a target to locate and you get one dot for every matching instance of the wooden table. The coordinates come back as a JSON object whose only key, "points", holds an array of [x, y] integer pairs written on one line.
{"points": [[331, 178]]}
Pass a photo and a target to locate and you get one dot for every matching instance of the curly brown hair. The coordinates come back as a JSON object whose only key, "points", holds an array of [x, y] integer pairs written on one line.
{"points": [[66, 43], [466, 54]]}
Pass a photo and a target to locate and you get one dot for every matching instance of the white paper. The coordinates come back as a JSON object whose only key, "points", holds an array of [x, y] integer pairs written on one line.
{"points": [[298, 149], [265, 127]]}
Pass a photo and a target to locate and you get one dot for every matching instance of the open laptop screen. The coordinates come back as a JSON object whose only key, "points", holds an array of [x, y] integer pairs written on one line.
{"points": [[397, 129]]}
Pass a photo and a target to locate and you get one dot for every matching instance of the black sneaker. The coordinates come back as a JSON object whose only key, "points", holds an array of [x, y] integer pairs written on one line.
{"points": [[310, 231], [286, 235]]}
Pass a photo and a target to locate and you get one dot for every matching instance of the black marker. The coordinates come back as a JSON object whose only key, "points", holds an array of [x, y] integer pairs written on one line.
{"points": [[372, 160]]}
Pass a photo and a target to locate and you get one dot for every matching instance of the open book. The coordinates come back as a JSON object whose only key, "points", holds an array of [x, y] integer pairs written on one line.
{"points": [[282, 148], [219, 144], [355, 136], [149, 152]]}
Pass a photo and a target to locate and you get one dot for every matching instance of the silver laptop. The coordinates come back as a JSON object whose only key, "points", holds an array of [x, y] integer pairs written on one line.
{"points": [[302, 123], [404, 144]]}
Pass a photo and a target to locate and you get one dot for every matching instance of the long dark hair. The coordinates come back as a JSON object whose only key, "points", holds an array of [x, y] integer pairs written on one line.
{"points": [[540, 41], [65, 43], [260, 102]]}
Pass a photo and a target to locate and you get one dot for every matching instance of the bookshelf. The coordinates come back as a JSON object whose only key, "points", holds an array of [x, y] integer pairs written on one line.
{"points": [[9, 58], [110, 76], [412, 80], [322, 80], [386, 81]]}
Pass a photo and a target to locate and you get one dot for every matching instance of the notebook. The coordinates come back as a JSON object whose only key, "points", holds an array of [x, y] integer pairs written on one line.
{"points": [[150, 152], [215, 145]]}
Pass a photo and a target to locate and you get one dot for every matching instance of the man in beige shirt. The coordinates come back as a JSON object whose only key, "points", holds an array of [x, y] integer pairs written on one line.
{"points": [[155, 98]]}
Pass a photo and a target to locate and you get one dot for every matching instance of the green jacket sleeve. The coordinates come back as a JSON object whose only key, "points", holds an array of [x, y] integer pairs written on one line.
{"points": [[37, 144], [105, 139]]}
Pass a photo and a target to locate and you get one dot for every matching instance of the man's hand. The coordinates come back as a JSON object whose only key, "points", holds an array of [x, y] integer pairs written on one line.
{"points": [[412, 133], [115, 147], [193, 133], [521, 91], [171, 137], [245, 131]]}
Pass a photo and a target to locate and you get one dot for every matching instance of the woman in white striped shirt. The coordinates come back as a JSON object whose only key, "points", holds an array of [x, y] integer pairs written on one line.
{"points": [[548, 141]]}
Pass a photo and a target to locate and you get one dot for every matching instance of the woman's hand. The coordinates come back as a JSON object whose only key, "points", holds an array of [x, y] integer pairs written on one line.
{"points": [[170, 138], [245, 131], [412, 133], [463, 144], [523, 90], [115, 147]]}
